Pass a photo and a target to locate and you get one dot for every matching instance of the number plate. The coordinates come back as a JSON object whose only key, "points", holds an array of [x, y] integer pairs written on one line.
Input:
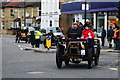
{"points": [[95, 45], [82, 52]]}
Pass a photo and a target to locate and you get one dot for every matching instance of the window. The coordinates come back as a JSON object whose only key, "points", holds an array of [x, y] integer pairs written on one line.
{"points": [[39, 11], [19, 13], [11, 24], [11, 13], [6, 25], [50, 23], [2, 13], [2, 25], [32, 12]]}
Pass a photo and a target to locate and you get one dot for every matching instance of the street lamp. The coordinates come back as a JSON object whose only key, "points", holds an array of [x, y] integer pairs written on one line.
{"points": [[85, 11]]}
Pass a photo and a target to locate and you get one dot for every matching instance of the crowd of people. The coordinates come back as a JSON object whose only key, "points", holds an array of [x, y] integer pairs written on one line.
{"points": [[78, 30], [87, 32]]}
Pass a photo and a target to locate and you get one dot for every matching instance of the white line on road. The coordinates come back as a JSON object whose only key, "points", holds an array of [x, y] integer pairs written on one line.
{"points": [[37, 72], [20, 47]]}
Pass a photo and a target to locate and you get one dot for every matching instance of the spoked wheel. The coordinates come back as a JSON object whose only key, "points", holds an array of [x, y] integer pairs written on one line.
{"points": [[97, 55], [59, 54], [66, 62], [58, 62], [90, 58]]}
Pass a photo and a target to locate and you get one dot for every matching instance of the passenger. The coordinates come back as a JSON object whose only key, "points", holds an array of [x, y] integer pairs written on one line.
{"points": [[74, 31], [87, 33]]}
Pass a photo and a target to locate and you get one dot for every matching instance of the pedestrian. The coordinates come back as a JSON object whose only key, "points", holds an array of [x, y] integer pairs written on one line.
{"points": [[32, 39], [37, 38], [17, 35], [117, 38], [53, 38], [103, 35], [110, 34]]}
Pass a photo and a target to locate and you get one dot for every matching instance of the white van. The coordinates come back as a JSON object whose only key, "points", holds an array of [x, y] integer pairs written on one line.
{"points": [[56, 30]]}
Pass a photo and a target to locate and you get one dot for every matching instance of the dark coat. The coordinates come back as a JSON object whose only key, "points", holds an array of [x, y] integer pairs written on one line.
{"points": [[77, 31], [32, 38], [110, 33], [103, 33]]}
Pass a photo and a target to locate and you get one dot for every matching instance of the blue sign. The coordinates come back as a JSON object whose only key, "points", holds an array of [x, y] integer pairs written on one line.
{"points": [[48, 38]]}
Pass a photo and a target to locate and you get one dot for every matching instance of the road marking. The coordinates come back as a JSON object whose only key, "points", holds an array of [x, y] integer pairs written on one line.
{"points": [[20, 47], [99, 66], [37, 72], [115, 69]]}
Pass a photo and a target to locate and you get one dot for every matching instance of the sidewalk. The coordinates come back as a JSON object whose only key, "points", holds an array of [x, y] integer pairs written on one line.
{"points": [[41, 49], [110, 50]]}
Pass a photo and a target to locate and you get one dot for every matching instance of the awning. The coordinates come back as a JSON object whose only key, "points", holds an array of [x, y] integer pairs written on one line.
{"points": [[92, 10], [72, 12], [13, 3], [17, 20], [104, 9]]}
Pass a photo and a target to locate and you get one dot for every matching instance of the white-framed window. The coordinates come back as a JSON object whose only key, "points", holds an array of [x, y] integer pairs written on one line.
{"points": [[19, 13], [2, 13], [11, 13], [6, 25], [32, 12], [2, 25], [39, 11], [11, 24]]}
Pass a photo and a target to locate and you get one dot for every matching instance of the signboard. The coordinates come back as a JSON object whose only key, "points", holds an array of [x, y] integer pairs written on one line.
{"points": [[83, 6], [48, 41]]}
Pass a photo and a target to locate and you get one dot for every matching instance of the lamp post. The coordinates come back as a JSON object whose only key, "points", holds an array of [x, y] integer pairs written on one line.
{"points": [[24, 13], [85, 10]]}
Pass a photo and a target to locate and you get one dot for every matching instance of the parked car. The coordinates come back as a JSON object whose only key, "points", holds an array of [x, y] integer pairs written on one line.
{"points": [[56, 31]]}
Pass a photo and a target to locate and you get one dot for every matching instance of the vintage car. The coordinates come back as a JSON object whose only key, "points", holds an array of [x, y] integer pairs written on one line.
{"points": [[78, 50]]}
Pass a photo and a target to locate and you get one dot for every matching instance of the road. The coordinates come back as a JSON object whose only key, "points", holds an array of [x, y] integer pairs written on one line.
{"points": [[18, 63]]}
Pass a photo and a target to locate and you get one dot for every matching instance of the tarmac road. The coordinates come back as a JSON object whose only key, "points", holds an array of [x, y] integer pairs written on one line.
{"points": [[19, 63]]}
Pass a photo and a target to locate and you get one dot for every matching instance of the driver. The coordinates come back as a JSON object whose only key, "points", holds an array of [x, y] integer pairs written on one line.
{"points": [[74, 31]]}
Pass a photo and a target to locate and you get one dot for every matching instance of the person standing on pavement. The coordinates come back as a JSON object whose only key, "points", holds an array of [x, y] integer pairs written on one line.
{"points": [[117, 38], [110, 34], [17, 35], [32, 39], [37, 38], [103, 35]]}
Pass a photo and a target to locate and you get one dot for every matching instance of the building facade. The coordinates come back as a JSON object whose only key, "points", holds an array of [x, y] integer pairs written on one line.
{"points": [[99, 13], [18, 15], [50, 13]]}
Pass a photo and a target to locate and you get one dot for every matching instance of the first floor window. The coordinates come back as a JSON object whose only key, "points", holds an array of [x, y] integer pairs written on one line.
{"points": [[50, 23]]}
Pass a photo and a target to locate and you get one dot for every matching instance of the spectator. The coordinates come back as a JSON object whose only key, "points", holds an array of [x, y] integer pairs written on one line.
{"points": [[37, 38], [110, 34], [103, 35], [32, 39], [117, 38]]}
